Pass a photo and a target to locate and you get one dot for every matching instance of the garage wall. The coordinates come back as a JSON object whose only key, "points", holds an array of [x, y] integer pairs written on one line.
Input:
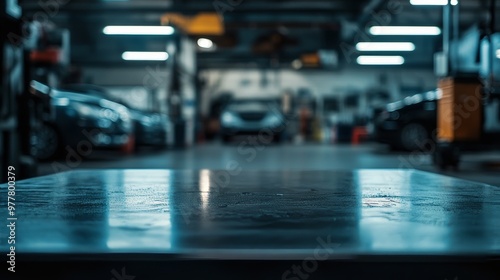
{"points": [[250, 83], [257, 83], [134, 85], [149, 76]]}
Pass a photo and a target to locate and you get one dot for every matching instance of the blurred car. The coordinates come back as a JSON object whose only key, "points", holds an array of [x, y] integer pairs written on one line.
{"points": [[408, 124], [150, 127], [251, 117], [82, 123]]}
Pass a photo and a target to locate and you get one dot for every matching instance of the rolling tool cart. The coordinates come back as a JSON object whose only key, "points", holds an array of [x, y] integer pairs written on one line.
{"points": [[458, 134], [468, 110], [460, 119]]}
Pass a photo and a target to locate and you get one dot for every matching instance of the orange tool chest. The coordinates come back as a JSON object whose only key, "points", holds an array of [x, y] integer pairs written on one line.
{"points": [[460, 110]]}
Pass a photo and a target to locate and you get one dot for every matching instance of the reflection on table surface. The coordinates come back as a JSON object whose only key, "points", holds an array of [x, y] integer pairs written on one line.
{"points": [[207, 213]]}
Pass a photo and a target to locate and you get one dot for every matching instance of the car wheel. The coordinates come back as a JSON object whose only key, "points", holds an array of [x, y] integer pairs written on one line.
{"points": [[46, 142], [226, 138], [413, 136], [447, 156], [278, 138]]}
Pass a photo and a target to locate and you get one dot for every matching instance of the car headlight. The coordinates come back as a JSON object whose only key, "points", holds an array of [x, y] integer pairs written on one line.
{"points": [[228, 118], [146, 121], [92, 111], [273, 120], [97, 112], [124, 115], [109, 114]]}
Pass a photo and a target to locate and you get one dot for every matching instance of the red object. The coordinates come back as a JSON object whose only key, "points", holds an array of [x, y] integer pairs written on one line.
{"points": [[359, 133], [51, 55], [129, 148]]}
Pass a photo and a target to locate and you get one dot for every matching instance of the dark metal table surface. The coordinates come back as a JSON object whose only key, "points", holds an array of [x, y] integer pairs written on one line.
{"points": [[275, 215]]}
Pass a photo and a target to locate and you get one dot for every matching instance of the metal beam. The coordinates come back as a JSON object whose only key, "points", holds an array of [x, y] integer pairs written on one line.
{"points": [[200, 6]]}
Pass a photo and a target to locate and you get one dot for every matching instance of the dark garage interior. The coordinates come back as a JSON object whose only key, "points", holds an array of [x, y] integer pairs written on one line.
{"points": [[250, 139]]}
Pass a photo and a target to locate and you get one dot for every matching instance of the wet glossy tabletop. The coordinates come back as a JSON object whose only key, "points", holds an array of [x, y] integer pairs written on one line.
{"points": [[273, 214]]}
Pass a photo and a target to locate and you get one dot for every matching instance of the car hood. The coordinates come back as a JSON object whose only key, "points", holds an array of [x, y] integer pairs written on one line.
{"points": [[411, 101], [88, 99], [136, 114]]}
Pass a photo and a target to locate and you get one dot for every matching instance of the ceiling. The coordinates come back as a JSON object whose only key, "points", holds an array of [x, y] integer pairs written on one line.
{"points": [[307, 26]]}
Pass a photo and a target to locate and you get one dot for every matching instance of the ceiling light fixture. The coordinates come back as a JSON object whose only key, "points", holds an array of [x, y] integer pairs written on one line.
{"points": [[138, 30], [385, 46], [205, 43], [405, 30], [432, 2], [380, 60], [145, 56]]}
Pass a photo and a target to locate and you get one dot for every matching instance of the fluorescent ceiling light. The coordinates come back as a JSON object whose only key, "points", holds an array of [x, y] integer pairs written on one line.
{"points": [[380, 60], [145, 56], [385, 46], [432, 2], [405, 30], [205, 43], [138, 30]]}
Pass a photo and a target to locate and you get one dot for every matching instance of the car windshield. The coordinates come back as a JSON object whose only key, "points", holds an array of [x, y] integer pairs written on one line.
{"points": [[252, 105]]}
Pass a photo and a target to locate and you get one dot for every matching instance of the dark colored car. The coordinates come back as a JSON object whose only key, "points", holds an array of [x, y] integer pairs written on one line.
{"points": [[150, 127], [408, 124], [252, 117], [82, 123]]}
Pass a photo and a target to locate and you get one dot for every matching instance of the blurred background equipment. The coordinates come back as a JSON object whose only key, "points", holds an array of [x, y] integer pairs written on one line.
{"points": [[24, 104], [82, 122], [273, 121], [262, 118], [342, 74], [150, 127], [408, 124], [469, 97]]}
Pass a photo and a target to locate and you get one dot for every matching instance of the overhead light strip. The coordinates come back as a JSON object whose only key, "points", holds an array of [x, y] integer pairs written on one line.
{"points": [[205, 43], [405, 30], [145, 56], [385, 46], [138, 30], [380, 60], [433, 2]]}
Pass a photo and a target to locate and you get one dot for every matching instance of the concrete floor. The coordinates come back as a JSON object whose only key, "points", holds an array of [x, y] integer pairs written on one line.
{"points": [[475, 167]]}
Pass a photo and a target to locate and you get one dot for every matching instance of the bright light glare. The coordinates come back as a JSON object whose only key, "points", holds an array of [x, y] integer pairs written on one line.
{"points": [[138, 30], [145, 56], [432, 2], [205, 43], [429, 2], [405, 30], [385, 46], [498, 54], [380, 60]]}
